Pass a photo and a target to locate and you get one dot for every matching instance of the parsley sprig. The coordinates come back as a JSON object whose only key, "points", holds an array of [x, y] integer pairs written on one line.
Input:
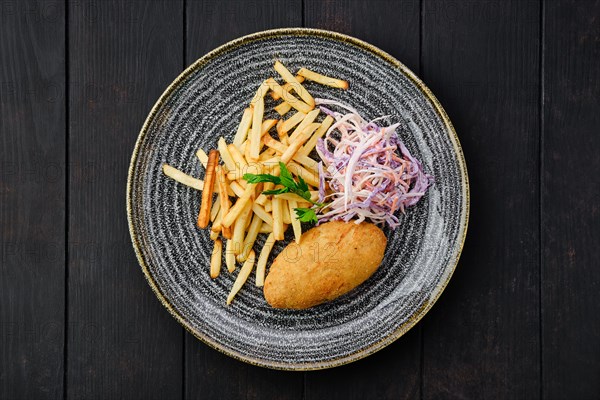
{"points": [[286, 180]]}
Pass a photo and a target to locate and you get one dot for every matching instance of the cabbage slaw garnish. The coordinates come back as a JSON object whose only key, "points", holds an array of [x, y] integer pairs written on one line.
{"points": [[368, 178]]}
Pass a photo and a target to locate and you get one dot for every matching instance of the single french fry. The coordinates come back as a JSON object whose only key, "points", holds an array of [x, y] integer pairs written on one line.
{"points": [[225, 155], [288, 97], [182, 177], [296, 86], [237, 156], [297, 143], [209, 183], [187, 180], [322, 79], [257, 117], [240, 228], [266, 228], [239, 205], [292, 121], [282, 108], [229, 256], [287, 87], [243, 127], [262, 213], [296, 225], [250, 238], [237, 189], [281, 134], [214, 211], [215, 259], [314, 196], [216, 223], [224, 201], [277, 218], [312, 142], [242, 276], [261, 266], [202, 157], [307, 121], [286, 212]]}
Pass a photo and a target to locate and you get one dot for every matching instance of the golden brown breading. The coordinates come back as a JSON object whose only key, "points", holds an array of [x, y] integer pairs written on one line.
{"points": [[330, 260]]}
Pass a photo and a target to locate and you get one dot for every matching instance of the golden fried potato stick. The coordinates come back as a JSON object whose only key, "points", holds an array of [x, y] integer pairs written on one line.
{"points": [[295, 221], [296, 86], [309, 119], [215, 259], [209, 183], [250, 238], [287, 97], [242, 276], [224, 200], [312, 142], [244, 126], [287, 87], [261, 266], [322, 79], [229, 256], [240, 228], [239, 205]]}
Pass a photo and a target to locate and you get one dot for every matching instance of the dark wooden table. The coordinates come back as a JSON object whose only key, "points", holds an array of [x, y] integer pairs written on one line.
{"points": [[520, 318]]}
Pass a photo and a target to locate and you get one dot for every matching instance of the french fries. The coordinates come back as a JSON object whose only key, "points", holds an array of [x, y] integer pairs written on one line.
{"points": [[312, 142], [296, 86], [240, 228], [242, 276], [322, 79], [215, 259], [277, 218], [253, 230], [254, 151], [229, 256], [209, 182], [257, 115], [181, 177], [243, 128], [287, 87], [296, 226], [261, 266], [287, 97], [223, 200], [239, 205]]}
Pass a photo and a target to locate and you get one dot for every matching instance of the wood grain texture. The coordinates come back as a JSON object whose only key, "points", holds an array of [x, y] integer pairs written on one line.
{"points": [[481, 59], [391, 25], [210, 374], [32, 199], [121, 341], [394, 372], [211, 23], [571, 201]]}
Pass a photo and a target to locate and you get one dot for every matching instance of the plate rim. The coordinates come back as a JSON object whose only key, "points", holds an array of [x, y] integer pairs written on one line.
{"points": [[464, 222]]}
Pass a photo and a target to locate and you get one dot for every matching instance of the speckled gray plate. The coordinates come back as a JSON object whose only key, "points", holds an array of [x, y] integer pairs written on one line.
{"points": [[205, 102]]}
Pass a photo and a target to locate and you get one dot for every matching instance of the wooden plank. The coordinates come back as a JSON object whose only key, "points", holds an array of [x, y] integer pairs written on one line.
{"points": [[393, 372], [32, 199], [213, 23], [121, 342], [210, 374], [391, 25], [481, 59], [570, 201]]}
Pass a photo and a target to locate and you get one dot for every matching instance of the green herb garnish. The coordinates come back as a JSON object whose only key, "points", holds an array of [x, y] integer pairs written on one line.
{"points": [[286, 180]]}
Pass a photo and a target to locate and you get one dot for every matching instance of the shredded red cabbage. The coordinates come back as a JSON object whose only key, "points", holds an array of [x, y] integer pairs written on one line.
{"points": [[367, 175]]}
